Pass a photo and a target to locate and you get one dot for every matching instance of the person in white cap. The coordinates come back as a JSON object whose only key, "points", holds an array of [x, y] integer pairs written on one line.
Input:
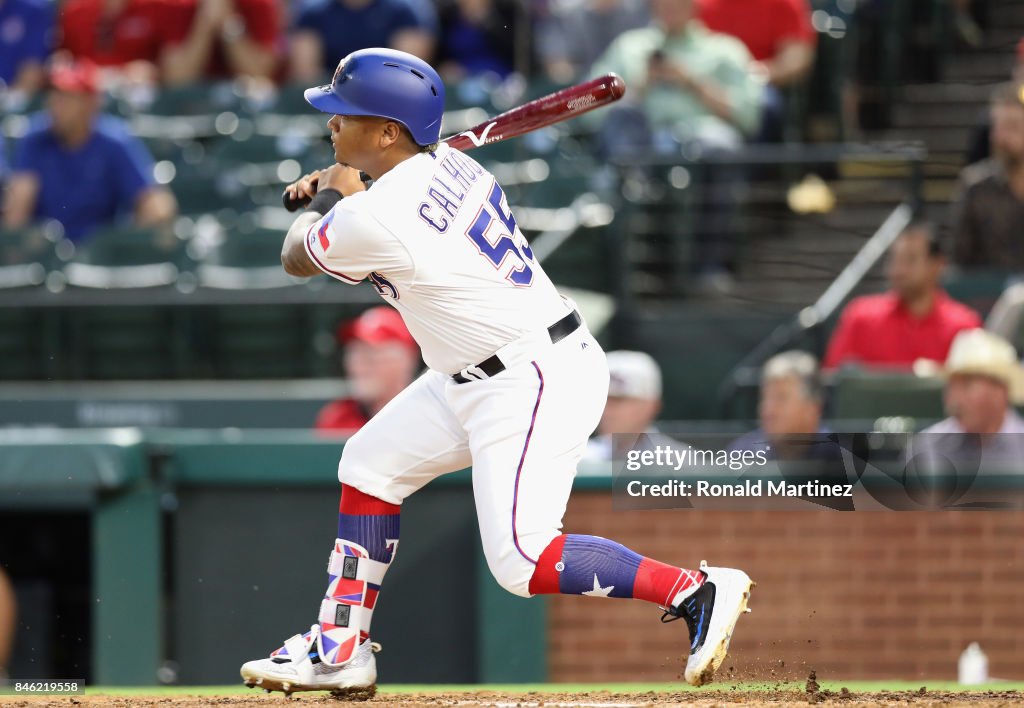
{"points": [[983, 380], [634, 402]]}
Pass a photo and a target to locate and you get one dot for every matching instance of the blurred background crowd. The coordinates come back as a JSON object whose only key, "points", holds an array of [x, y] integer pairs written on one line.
{"points": [[761, 146], [805, 216]]}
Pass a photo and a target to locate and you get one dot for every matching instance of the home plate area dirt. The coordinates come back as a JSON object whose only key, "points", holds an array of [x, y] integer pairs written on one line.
{"points": [[597, 699]]}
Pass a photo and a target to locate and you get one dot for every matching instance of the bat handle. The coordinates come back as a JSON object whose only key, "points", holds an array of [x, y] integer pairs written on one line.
{"points": [[294, 204]]}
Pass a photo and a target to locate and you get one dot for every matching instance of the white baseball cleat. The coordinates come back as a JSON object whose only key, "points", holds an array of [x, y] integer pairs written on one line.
{"points": [[297, 667], [711, 613]]}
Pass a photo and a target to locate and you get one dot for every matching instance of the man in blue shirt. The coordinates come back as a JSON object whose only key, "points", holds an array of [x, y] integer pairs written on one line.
{"points": [[26, 37], [81, 168], [330, 30]]}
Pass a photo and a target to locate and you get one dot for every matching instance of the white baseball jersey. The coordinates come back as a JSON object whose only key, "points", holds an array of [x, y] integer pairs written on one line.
{"points": [[436, 238]]}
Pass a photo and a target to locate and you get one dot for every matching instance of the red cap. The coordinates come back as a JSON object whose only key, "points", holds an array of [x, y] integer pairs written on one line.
{"points": [[77, 77], [378, 325]]}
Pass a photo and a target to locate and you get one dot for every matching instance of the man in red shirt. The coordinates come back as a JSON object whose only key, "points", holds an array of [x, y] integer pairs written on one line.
{"points": [[381, 359], [174, 41], [225, 38], [916, 319], [129, 35], [780, 37]]}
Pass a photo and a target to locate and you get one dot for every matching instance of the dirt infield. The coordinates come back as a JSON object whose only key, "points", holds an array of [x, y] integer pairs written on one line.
{"points": [[598, 699]]}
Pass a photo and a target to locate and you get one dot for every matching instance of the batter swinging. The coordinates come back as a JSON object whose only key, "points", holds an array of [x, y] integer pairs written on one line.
{"points": [[516, 383]]}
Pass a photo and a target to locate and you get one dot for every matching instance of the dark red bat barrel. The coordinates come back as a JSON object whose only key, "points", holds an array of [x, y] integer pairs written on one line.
{"points": [[548, 110]]}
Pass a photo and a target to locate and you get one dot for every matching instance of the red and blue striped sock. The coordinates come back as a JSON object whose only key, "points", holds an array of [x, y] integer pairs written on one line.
{"points": [[370, 522], [574, 564]]}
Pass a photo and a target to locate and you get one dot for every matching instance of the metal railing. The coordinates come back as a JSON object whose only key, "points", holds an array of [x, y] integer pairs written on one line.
{"points": [[747, 372]]}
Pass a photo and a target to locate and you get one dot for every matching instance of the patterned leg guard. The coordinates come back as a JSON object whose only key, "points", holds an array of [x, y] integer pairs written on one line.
{"points": [[353, 584]]}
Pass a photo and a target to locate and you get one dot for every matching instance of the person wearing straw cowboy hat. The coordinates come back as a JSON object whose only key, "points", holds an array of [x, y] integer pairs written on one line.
{"points": [[984, 379]]}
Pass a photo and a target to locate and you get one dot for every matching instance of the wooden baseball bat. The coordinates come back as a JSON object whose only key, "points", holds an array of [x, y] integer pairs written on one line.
{"points": [[539, 113]]}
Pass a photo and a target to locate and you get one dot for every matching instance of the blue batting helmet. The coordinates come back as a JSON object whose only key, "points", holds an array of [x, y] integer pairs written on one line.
{"points": [[386, 83]]}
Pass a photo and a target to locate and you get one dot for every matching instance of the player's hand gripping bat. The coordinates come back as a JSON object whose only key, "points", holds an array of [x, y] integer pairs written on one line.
{"points": [[542, 112]]}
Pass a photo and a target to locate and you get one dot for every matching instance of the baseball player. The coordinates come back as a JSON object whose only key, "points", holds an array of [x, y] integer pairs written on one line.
{"points": [[515, 383]]}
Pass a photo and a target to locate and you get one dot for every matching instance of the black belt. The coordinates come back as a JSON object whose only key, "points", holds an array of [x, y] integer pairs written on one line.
{"points": [[492, 365]]}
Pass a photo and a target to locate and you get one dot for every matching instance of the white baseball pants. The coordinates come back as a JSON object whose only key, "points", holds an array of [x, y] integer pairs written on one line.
{"points": [[523, 431]]}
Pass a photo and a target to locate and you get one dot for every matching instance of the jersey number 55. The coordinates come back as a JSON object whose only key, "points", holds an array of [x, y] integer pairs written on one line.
{"points": [[494, 213]]}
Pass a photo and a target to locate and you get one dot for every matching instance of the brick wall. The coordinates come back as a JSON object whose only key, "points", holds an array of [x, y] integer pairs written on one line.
{"points": [[852, 595]]}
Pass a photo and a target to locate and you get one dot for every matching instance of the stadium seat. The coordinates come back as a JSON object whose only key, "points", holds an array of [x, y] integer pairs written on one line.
{"points": [[290, 100], [263, 148], [26, 255], [248, 257], [860, 395], [978, 289], [209, 188], [194, 100], [127, 257]]}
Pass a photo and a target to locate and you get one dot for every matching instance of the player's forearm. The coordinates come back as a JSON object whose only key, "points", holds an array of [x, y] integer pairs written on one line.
{"points": [[294, 258]]}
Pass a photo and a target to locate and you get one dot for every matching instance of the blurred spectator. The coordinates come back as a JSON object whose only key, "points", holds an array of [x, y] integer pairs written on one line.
{"points": [[130, 36], [634, 401], [380, 359], [778, 34], [81, 168], [789, 411], [330, 30], [988, 211], [981, 142], [915, 319], [697, 96], [574, 33], [26, 38], [984, 379], [8, 610], [479, 37], [693, 83], [224, 38], [1007, 315]]}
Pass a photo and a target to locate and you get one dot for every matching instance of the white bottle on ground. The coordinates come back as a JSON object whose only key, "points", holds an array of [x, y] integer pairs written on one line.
{"points": [[973, 666]]}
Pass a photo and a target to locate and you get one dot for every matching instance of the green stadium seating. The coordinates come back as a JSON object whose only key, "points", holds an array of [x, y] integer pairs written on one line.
{"points": [[195, 100], [978, 289], [209, 188], [859, 395], [27, 254], [120, 256], [249, 257]]}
